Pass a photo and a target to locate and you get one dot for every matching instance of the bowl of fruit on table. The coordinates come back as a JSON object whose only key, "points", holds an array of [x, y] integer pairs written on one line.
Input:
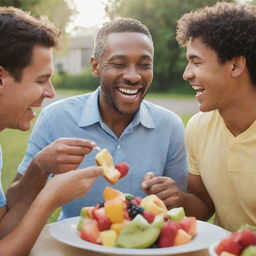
{"points": [[127, 221], [124, 224], [240, 243]]}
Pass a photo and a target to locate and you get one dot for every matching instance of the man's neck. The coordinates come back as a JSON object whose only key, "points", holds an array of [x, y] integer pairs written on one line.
{"points": [[117, 122], [239, 116]]}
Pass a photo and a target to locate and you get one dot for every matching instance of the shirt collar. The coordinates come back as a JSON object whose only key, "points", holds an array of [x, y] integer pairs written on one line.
{"points": [[91, 114], [143, 116]]}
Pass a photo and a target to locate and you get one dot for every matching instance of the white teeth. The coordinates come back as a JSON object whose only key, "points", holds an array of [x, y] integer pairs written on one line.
{"points": [[128, 91], [196, 88]]}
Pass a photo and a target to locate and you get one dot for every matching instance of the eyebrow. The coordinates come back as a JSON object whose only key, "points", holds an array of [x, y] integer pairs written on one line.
{"points": [[125, 57], [44, 76], [193, 56]]}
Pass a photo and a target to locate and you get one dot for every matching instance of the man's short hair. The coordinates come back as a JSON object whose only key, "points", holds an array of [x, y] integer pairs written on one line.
{"points": [[19, 33], [118, 26], [227, 28]]}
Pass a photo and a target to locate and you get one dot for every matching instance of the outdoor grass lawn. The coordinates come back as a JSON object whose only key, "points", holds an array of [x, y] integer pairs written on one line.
{"points": [[13, 144]]}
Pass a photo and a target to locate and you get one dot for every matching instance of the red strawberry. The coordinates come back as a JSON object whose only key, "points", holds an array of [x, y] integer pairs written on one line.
{"points": [[229, 244], [167, 235], [103, 221], [90, 231], [123, 168], [149, 216], [247, 237]]}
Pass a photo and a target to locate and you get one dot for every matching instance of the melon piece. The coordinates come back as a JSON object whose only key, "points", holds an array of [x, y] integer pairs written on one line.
{"points": [[105, 160]]}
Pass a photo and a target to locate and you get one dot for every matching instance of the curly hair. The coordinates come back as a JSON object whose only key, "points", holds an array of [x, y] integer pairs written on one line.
{"points": [[228, 28], [118, 26], [20, 32]]}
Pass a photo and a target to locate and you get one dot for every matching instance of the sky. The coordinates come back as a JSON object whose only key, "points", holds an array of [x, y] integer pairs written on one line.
{"points": [[90, 13]]}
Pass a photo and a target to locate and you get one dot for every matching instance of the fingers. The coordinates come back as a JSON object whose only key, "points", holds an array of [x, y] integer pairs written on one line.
{"points": [[156, 184], [73, 146], [78, 142], [91, 172], [148, 176]]}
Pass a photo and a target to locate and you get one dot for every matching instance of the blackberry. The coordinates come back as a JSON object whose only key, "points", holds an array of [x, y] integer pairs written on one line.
{"points": [[134, 209], [101, 204]]}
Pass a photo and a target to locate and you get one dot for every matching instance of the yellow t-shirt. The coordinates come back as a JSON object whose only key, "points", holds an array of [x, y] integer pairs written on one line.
{"points": [[227, 165]]}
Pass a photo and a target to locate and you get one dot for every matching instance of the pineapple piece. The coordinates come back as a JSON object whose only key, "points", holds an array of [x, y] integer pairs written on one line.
{"points": [[105, 160]]}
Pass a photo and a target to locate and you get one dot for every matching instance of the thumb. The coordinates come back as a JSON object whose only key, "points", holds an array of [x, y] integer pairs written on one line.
{"points": [[91, 172], [149, 175]]}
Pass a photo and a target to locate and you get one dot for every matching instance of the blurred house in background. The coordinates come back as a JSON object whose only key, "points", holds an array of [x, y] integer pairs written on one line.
{"points": [[78, 53]]}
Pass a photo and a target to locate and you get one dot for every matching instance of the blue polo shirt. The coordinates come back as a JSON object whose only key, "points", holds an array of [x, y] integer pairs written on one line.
{"points": [[153, 141], [2, 196]]}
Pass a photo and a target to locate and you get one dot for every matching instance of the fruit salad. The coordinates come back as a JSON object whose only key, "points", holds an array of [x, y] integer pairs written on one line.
{"points": [[241, 243], [112, 173], [127, 221]]}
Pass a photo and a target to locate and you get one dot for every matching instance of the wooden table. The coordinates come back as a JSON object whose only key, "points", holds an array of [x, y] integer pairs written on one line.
{"points": [[48, 246]]}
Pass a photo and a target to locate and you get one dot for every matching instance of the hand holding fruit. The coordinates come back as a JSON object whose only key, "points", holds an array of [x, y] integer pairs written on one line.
{"points": [[63, 155], [163, 187]]}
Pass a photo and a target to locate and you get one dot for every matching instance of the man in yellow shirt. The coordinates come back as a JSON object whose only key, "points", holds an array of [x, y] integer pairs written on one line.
{"points": [[221, 139]]}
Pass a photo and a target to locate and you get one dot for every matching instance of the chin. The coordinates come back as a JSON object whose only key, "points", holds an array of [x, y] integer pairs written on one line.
{"points": [[25, 127], [205, 108]]}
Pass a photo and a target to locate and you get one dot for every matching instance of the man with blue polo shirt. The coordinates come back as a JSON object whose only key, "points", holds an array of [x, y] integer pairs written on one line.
{"points": [[148, 137]]}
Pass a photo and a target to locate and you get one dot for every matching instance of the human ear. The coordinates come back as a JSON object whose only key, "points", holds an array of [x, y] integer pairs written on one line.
{"points": [[94, 65], [238, 66]]}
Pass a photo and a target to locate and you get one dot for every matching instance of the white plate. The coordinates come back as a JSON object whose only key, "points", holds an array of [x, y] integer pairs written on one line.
{"points": [[212, 249], [207, 234]]}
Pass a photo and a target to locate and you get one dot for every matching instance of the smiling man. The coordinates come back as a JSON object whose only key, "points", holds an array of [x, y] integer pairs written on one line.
{"points": [[26, 66], [116, 117], [221, 139]]}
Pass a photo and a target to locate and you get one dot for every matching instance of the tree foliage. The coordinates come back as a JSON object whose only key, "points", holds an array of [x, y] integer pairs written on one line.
{"points": [[161, 17], [58, 11]]}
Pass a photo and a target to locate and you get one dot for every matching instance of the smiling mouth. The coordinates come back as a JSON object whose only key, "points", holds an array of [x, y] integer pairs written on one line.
{"points": [[33, 109], [198, 89], [129, 92]]}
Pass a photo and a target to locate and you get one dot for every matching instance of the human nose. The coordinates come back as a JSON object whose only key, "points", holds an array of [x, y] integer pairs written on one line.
{"points": [[188, 73], [132, 75], [49, 91]]}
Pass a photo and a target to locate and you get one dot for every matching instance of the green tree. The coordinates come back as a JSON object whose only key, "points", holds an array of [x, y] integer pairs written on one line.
{"points": [[161, 17], [58, 11]]}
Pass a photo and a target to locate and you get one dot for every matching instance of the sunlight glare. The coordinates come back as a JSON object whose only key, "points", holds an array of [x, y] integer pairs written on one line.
{"points": [[89, 13]]}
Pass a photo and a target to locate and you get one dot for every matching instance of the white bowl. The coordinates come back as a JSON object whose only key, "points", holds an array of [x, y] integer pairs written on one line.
{"points": [[212, 249]]}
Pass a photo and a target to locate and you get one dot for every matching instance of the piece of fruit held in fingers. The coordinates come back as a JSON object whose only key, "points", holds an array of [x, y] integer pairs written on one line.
{"points": [[112, 173]]}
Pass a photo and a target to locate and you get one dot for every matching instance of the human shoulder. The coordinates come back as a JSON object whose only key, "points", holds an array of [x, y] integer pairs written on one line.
{"points": [[202, 122], [203, 118], [69, 101], [160, 114], [71, 104]]}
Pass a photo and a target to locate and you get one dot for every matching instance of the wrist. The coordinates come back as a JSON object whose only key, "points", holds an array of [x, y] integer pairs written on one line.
{"points": [[37, 167], [181, 198]]}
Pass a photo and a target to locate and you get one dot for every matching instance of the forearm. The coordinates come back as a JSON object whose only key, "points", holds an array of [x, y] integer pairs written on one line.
{"points": [[20, 241], [21, 194], [195, 206], [28, 186]]}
